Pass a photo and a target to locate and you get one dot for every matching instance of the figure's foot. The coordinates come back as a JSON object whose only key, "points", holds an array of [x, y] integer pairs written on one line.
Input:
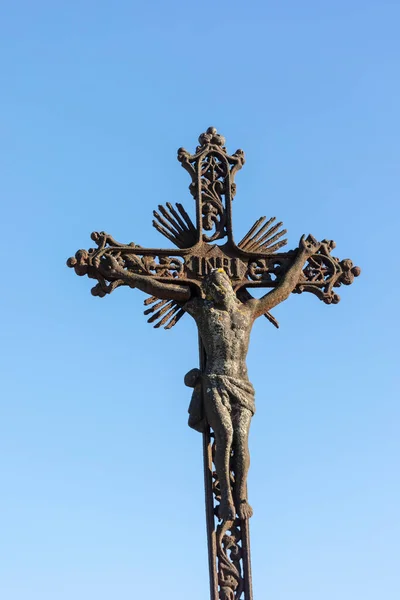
{"points": [[226, 511], [244, 510]]}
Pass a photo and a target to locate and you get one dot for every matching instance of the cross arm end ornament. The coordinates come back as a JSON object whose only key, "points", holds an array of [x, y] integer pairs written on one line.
{"points": [[114, 265]]}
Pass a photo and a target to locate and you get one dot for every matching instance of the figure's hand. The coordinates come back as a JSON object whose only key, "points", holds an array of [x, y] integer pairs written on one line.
{"points": [[309, 245], [115, 269], [111, 266]]}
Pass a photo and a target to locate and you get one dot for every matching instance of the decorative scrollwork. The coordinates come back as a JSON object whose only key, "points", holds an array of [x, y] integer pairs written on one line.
{"points": [[321, 274], [229, 546], [265, 270], [212, 171], [96, 263], [213, 179], [324, 272], [162, 266]]}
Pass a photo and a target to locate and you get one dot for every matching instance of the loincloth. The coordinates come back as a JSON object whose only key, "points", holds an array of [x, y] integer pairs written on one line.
{"points": [[232, 391]]}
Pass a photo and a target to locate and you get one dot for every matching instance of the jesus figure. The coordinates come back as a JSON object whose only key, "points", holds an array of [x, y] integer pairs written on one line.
{"points": [[227, 396]]}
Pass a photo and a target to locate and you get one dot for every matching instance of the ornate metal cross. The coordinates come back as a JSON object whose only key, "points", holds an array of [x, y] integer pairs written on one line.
{"points": [[211, 282]]}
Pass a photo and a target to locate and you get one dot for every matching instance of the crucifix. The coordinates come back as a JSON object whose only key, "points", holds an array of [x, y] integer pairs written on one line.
{"points": [[210, 277]]}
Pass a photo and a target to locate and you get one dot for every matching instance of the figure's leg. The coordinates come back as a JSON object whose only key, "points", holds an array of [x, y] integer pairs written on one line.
{"points": [[218, 417], [241, 418]]}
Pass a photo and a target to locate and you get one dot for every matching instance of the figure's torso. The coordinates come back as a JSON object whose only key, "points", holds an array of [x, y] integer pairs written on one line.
{"points": [[225, 334]]}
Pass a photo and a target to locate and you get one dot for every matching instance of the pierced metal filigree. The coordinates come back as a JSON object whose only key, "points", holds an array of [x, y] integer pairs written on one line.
{"points": [[232, 546], [212, 171], [324, 272], [96, 263]]}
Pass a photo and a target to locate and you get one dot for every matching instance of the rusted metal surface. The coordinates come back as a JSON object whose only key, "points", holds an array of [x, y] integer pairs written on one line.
{"points": [[211, 282]]}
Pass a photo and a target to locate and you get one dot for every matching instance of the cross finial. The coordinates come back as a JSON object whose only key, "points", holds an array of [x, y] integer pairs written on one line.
{"points": [[211, 136]]}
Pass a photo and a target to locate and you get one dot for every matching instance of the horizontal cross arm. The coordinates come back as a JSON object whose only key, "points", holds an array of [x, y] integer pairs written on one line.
{"points": [[117, 265], [321, 273]]}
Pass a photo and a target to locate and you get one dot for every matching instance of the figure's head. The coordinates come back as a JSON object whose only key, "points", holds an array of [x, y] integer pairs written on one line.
{"points": [[217, 287]]}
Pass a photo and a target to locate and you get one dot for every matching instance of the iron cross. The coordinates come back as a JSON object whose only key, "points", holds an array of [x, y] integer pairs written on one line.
{"points": [[210, 277]]}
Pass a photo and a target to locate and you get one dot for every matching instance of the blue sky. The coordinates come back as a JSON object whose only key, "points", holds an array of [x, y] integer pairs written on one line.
{"points": [[102, 491]]}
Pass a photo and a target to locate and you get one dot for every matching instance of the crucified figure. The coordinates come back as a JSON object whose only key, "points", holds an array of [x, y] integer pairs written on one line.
{"points": [[227, 396]]}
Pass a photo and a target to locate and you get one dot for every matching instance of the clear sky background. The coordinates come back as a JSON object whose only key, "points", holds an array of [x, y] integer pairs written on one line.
{"points": [[101, 479]]}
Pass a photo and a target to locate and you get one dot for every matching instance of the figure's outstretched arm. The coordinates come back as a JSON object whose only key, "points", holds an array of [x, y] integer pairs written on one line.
{"points": [[111, 270], [307, 247]]}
